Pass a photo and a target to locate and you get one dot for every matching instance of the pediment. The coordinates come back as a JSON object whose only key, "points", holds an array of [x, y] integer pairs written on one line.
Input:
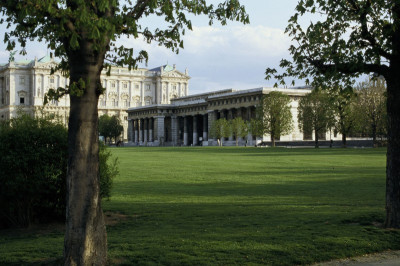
{"points": [[174, 74]]}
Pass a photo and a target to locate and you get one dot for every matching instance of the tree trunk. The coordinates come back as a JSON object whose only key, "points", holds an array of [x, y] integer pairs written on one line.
{"points": [[344, 140], [273, 140], [393, 152], [85, 237], [374, 135], [316, 139]]}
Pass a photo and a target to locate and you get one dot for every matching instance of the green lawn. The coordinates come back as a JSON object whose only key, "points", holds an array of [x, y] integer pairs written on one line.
{"points": [[234, 206]]}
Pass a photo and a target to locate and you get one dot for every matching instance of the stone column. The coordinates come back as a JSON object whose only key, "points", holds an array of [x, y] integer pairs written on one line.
{"points": [[185, 131], [151, 125], [174, 130], [136, 125], [159, 125], [140, 129], [141, 93], [145, 130], [130, 130], [195, 134], [212, 116], [205, 128]]}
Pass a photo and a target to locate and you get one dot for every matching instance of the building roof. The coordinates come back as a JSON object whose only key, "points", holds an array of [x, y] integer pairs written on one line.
{"points": [[165, 68]]}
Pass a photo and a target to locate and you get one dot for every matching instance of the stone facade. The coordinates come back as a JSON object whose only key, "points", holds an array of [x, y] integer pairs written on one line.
{"points": [[24, 84], [187, 120]]}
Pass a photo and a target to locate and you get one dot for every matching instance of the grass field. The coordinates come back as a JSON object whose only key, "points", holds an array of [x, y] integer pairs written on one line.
{"points": [[233, 206]]}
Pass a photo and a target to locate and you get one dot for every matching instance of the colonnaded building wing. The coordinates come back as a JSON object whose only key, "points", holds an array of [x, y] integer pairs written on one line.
{"points": [[188, 120], [23, 85]]}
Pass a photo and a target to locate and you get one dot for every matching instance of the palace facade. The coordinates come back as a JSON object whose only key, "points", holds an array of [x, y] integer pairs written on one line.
{"points": [[24, 84], [187, 120]]}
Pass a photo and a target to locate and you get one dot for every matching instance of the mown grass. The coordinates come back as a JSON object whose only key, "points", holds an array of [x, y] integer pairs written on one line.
{"points": [[234, 206]]}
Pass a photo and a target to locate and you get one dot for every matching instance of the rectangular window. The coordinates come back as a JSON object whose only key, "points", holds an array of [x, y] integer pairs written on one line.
{"points": [[148, 87], [125, 85], [112, 84], [52, 80], [21, 100], [22, 80]]}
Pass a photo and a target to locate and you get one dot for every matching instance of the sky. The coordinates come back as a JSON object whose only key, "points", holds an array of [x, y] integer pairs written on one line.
{"points": [[217, 57]]}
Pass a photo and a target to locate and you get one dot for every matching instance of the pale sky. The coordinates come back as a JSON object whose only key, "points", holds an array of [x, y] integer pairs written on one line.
{"points": [[217, 57]]}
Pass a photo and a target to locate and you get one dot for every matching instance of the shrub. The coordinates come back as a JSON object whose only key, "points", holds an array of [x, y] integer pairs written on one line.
{"points": [[33, 163]]}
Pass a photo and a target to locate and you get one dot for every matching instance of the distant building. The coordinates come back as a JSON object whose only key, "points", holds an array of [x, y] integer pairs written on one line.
{"points": [[24, 84], [187, 120]]}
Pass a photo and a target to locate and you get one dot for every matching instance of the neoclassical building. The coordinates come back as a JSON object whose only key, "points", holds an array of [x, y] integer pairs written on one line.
{"points": [[24, 84], [187, 120]]}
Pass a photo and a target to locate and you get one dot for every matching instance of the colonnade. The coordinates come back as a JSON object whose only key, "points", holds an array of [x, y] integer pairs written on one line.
{"points": [[183, 129]]}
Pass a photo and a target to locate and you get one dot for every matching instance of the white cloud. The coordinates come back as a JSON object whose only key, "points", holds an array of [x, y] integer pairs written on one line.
{"points": [[243, 40]]}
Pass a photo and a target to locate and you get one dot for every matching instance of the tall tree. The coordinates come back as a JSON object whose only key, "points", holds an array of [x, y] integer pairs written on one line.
{"points": [[275, 116], [83, 35], [349, 38], [343, 103], [371, 105], [315, 111], [238, 128]]}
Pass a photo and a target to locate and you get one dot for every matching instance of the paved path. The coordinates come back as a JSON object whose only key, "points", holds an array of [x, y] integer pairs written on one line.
{"points": [[387, 258]]}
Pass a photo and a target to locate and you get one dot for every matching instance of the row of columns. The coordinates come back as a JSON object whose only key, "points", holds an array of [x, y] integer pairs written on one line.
{"points": [[155, 129]]}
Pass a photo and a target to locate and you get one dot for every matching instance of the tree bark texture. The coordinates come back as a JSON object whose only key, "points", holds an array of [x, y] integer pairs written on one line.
{"points": [[393, 153], [85, 238]]}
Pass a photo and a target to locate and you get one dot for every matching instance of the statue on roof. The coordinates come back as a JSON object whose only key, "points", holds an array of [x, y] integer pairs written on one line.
{"points": [[11, 58]]}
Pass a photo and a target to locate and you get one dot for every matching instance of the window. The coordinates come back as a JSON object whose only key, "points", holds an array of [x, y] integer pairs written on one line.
{"points": [[126, 104], [125, 85], [136, 86], [147, 87], [51, 80], [22, 80], [21, 100], [113, 84]]}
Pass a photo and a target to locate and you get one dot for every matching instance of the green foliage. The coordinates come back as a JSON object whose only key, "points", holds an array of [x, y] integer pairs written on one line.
{"points": [[348, 39], [110, 127], [220, 129], [34, 165], [108, 169], [274, 115], [315, 112], [238, 128]]}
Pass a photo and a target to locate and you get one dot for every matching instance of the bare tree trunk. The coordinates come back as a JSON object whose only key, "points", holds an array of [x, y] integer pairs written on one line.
{"points": [[374, 135], [316, 138], [344, 140], [273, 140], [85, 237], [393, 153]]}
